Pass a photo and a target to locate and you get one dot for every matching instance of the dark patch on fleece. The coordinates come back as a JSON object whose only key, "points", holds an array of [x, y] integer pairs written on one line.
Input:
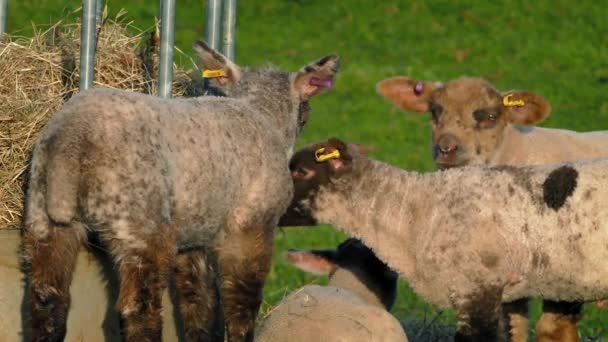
{"points": [[540, 260], [521, 177], [559, 185], [489, 259], [482, 313], [589, 193]]}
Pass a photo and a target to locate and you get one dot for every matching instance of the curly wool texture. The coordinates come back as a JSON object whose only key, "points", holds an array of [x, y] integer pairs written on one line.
{"points": [[454, 234], [126, 164]]}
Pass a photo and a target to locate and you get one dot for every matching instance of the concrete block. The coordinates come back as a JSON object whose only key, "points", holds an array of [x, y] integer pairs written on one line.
{"points": [[94, 292]]}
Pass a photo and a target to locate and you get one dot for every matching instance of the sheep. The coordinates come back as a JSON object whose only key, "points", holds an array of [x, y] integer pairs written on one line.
{"points": [[466, 238], [163, 184], [475, 124], [352, 307]]}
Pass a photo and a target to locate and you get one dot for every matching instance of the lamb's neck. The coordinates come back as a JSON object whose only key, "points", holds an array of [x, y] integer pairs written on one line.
{"points": [[382, 205], [279, 115], [514, 146]]}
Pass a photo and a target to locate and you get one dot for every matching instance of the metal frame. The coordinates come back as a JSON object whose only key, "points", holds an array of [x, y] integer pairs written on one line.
{"points": [[3, 11], [92, 12], [99, 11], [87, 44], [229, 29], [213, 13], [167, 43]]}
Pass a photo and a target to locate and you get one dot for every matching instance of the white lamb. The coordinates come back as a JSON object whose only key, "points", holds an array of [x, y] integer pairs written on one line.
{"points": [[467, 238]]}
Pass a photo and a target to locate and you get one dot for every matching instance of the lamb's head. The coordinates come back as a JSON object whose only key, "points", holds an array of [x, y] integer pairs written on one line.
{"points": [[323, 167], [283, 94], [352, 266], [469, 115]]}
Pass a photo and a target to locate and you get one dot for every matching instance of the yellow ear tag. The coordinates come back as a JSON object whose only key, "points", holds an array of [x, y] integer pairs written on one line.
{"points": [[213, 73], [320, 157], [507, 102]]}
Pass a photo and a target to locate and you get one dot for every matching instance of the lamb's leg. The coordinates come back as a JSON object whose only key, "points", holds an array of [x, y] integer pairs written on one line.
{"points": [[558, 322], [50, 259], [196, 284], [479, 314], [244, 261], [144, 273], [515, 320]]}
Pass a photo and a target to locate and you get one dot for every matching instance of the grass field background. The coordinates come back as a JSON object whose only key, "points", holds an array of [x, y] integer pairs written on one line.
{"points": [[559, 49]]}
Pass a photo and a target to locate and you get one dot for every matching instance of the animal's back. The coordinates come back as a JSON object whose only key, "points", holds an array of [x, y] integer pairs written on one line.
{"points": [[531, 226], [543, 146], [326, 313], [182, 161]]}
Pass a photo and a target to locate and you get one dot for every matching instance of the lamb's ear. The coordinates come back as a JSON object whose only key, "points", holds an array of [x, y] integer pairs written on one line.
{"points": [[341, 161], [525, 108], [317, 76], [318, 262], [216, 66], [407, 94]]}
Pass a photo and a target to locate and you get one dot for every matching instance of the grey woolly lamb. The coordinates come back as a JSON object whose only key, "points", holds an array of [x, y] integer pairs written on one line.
{"points": [[168, 184]]}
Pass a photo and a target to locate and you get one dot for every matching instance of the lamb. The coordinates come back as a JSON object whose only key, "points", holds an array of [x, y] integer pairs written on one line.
{"points": [[164, 184], [352, 307], [475, 124], [466, 238]]}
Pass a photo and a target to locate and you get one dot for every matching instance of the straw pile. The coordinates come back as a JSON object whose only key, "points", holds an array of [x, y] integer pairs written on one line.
{"points": [[38, 74]]}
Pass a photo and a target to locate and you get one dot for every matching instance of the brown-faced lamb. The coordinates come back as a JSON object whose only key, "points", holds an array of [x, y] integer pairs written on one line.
{"points": [[475, 124], [352, 307], [466, 238], [166, 183]]}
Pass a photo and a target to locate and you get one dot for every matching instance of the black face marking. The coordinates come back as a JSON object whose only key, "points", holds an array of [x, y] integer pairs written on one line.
{"points": [[436, 111], [297, 214], [379, 278], [486, 117], [559, 185]]}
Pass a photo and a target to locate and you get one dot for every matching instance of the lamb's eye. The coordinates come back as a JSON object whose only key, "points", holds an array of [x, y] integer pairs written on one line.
{"points": [[479, 115], [299, 171], [492, 117]]}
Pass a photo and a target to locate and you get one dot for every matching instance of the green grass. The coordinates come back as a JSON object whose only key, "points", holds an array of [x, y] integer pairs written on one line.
{"points": [[558, 49]]}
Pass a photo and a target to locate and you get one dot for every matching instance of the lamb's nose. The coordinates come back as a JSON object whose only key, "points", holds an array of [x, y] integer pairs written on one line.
{"points": [[448, 149], [447, 144]]}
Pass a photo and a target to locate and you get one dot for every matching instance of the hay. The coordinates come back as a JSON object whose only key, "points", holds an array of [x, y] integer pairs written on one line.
{"points": [[38, 74]]}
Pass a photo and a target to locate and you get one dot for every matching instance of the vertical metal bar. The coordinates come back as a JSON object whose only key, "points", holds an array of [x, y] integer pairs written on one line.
{"points": [[3, 9], [99, 11], [167, 43], [87, 45], [212, 23], [229, 29]]}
